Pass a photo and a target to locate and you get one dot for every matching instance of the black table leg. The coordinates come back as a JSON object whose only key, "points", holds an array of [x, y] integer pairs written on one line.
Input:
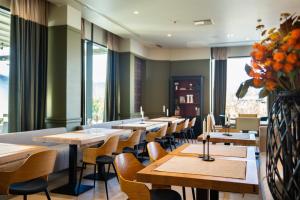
{"points": [[201, 194], [100, 175], [71, 188], [214, 195]]}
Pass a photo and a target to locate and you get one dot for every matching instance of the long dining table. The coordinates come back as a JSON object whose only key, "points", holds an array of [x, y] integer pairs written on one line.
{"points": [[83, 138], [170, 120], [231, 172], [245, 139], [144, 125], [13, 154]]}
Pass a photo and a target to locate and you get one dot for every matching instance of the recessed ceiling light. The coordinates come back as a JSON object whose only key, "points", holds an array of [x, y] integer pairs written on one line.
{"points": [[136, 12], [169, 35], [230, 35], [203, 22], [247, 38]]}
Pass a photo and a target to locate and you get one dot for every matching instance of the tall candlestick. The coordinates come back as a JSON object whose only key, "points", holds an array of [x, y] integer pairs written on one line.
{"points": [[208, 123], [167, 112], [164, 108], [204, 129]]}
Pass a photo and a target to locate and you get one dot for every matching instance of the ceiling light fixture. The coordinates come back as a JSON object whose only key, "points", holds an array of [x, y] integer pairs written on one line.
{"points": [[203, 22], [230, 35], [169, 35], [136, 12], [247, 38]]}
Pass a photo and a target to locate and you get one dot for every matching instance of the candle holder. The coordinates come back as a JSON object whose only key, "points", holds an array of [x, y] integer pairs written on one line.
{"points": [[206, 157]]}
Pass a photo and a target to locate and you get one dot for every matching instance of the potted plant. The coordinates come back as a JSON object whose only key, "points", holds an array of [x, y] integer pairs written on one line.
{"points": [[275, 69]]}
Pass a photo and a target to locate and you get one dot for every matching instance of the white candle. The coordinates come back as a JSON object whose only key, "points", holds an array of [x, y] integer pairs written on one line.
{"points": [[167, 112], [225, 119], [142, 113], [204, 129], [164, 108], [208, 123], [141, 110]]}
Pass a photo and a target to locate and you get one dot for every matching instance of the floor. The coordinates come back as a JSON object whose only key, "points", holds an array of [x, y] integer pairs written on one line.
{"points": [[98, 193]]}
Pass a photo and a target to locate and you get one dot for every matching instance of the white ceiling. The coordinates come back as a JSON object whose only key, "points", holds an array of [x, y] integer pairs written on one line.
{"points": [[155, 19]]}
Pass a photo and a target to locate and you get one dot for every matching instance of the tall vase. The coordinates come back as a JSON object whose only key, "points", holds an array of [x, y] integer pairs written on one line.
{"points": [[283, 147]]}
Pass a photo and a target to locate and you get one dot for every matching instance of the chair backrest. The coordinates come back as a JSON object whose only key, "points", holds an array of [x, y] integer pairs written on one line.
{"points": [[133, 140], [247, 123], [35, 166], [155, 151], [127, 166], [186, 123], [172, 129], [110, 145], [163, 131], [247, 115], [192, 122]]}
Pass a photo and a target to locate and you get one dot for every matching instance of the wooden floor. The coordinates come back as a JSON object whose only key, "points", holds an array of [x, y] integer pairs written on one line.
{"points": [[98, 193]]}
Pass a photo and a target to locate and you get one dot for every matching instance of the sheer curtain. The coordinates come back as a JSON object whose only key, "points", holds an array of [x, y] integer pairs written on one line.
{"points": [[220, 81], [28, 64]]}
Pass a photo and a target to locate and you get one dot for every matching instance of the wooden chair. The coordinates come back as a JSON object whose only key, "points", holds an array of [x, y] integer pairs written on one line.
{"points": [[100, 156], [191, 128], [156, 152], [128, 146], [127, 166], [152, 136], [181, 131], [29, 178], [170, 138]]}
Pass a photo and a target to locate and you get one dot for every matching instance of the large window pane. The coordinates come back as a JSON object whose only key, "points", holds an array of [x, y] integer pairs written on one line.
{"points": [[4, 68], [251, 102], [95, 80]]}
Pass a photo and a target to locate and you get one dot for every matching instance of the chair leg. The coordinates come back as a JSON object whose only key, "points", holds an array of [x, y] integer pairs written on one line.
{"points": [[193, 193], [25, 197], [115, 171], [183, 193], [47, 194], [105, 182], [80, 177], [170, 143], [95, 174]]}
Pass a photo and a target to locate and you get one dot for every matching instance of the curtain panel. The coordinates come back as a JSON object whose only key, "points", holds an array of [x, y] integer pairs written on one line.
{"points": [[28, 65], [112, 91], [220, 82]]}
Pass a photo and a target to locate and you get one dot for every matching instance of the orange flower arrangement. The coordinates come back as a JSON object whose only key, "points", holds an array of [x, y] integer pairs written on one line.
{"points": [[275, 62]]}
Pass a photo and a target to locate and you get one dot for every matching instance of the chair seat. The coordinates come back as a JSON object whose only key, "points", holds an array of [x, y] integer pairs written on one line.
{"points": [[104, 160], [164, 194], [129, 150], [28, 187]]}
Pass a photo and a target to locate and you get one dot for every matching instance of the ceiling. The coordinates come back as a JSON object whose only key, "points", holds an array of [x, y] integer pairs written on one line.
{"points": [[234, 20]]}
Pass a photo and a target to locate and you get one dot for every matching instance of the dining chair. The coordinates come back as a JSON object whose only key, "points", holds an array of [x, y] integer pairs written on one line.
{"points": [[29, 178], [152, 136], [156, 152], [129, 145], [100, 156], [170, 138], [191, 129], [181, 131], [127, 167]]}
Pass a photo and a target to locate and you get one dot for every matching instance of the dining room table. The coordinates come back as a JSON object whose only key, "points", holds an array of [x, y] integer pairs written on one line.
{"points": [[14, 154], [170, 120], [231, 171], [75, 140], [143, 125], [237, 138]]}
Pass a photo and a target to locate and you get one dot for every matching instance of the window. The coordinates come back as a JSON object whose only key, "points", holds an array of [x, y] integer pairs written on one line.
{"points": [[4, 68], [95, 80], [251, 102]]}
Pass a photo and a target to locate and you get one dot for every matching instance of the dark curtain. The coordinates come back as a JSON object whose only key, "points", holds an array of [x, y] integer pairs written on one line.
{"points": [[111, 106], [220, 83], [28, 75]]}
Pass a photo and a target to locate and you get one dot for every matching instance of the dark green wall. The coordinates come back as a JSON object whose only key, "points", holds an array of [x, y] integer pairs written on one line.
{"points": [[124, 85], [155, 87]]}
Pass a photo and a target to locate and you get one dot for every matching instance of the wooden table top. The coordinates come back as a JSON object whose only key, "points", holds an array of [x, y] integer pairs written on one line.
{"points": [[14, 152], [82, 137], [248, 185], [250, 151], [236, 138], [146, 125], [170, 120]]}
